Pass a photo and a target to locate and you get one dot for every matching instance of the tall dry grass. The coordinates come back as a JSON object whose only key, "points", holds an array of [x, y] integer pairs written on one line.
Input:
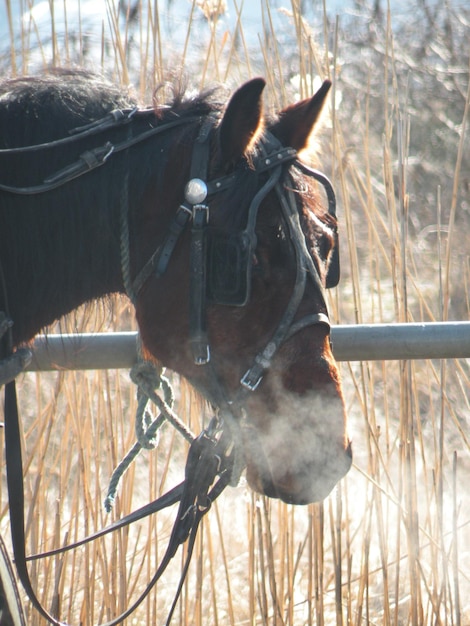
{"points": [[391, 545]]}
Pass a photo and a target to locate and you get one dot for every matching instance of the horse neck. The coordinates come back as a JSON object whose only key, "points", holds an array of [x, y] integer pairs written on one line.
{"points": [[65, 254]]}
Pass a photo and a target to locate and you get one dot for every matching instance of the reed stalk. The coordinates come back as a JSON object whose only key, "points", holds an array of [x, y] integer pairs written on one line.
{"points": [[391, 545]]}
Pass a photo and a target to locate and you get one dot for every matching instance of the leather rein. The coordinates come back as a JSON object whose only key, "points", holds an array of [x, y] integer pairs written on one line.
{"points": [[211, 462]]}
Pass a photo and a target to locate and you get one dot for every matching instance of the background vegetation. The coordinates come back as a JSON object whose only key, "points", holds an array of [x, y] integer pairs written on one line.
{"points": [[391, 545]]}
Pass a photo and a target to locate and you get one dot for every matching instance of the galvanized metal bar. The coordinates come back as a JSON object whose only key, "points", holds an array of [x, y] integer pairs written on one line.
{"points": [[84, 351], [385, 342], [364, 342]]}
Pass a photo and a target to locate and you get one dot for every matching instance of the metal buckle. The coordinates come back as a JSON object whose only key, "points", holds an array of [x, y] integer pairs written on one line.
{"points": [[251, 380], [200, 215]]}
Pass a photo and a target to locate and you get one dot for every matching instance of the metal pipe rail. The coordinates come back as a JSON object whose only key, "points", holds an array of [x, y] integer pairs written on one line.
{"points": [[363, 342]]}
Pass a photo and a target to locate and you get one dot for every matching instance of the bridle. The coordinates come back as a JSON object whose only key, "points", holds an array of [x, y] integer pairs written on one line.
{"points": [[272, 160], [212, 455]]}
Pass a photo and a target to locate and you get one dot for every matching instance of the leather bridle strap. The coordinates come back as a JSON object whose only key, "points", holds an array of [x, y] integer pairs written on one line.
{"points": [[16, 495], [88, 160], [305, 269], [193, 208], [198, 248], [198, 338]]}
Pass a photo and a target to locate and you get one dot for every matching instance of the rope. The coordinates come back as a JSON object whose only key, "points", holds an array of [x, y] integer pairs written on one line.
{"points": [[141, 375], [148, 378], [124, 243]]}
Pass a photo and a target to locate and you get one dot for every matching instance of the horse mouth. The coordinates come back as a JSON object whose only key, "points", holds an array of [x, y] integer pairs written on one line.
{"points": [[296, 460], [311, 484]]}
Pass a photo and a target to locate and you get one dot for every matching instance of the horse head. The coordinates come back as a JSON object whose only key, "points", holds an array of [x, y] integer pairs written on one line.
{"points": [[239, 306]]}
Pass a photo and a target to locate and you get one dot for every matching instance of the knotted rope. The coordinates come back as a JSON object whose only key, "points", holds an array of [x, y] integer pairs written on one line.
{"points": [[124, 243], [149, 379]]}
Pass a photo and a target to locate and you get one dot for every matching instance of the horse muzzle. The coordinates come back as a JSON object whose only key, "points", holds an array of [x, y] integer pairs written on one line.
{"points": [[311, 484], [299, 458]]}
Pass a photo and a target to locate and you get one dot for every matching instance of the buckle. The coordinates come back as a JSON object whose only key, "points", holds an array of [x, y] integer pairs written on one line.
{"points": [[200, 215], [251, 379]]}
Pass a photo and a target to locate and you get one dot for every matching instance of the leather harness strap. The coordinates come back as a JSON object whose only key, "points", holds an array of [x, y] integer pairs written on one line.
{"points": [[90, 159], [198, 248], [16, 496]]}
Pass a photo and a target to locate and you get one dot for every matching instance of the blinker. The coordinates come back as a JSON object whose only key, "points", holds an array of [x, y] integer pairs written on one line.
{"points": [[229, 267]]}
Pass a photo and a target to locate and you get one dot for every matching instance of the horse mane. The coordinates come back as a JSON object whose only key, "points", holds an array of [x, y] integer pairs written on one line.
{"points": [[83, 95]]}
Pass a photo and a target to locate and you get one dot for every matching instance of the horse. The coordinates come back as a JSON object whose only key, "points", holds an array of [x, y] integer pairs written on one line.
{"points": [[224, 240]]}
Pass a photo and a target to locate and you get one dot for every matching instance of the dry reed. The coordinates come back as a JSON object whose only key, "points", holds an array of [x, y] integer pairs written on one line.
{"points": [[391, 545]]}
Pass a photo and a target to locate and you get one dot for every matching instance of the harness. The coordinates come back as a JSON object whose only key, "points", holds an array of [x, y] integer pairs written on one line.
{"points": [[221, 263], [221, 270]]}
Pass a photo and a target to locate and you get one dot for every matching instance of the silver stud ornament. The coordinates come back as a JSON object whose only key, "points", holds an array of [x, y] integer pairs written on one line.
{"points": [[195, 191]]}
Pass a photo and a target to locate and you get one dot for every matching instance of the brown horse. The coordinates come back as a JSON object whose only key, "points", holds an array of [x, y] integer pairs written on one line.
{"points": [[222, 238]]}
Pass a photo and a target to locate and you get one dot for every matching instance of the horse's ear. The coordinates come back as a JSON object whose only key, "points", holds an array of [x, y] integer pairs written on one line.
{"points": [[242, 119], [296, 122]]}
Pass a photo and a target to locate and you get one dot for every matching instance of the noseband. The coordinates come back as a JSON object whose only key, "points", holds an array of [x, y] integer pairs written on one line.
{"points": [[272, 160]]}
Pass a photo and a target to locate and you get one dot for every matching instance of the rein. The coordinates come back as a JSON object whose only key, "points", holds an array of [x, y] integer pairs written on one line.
{"points": [[208, 471], [213, 459]]}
